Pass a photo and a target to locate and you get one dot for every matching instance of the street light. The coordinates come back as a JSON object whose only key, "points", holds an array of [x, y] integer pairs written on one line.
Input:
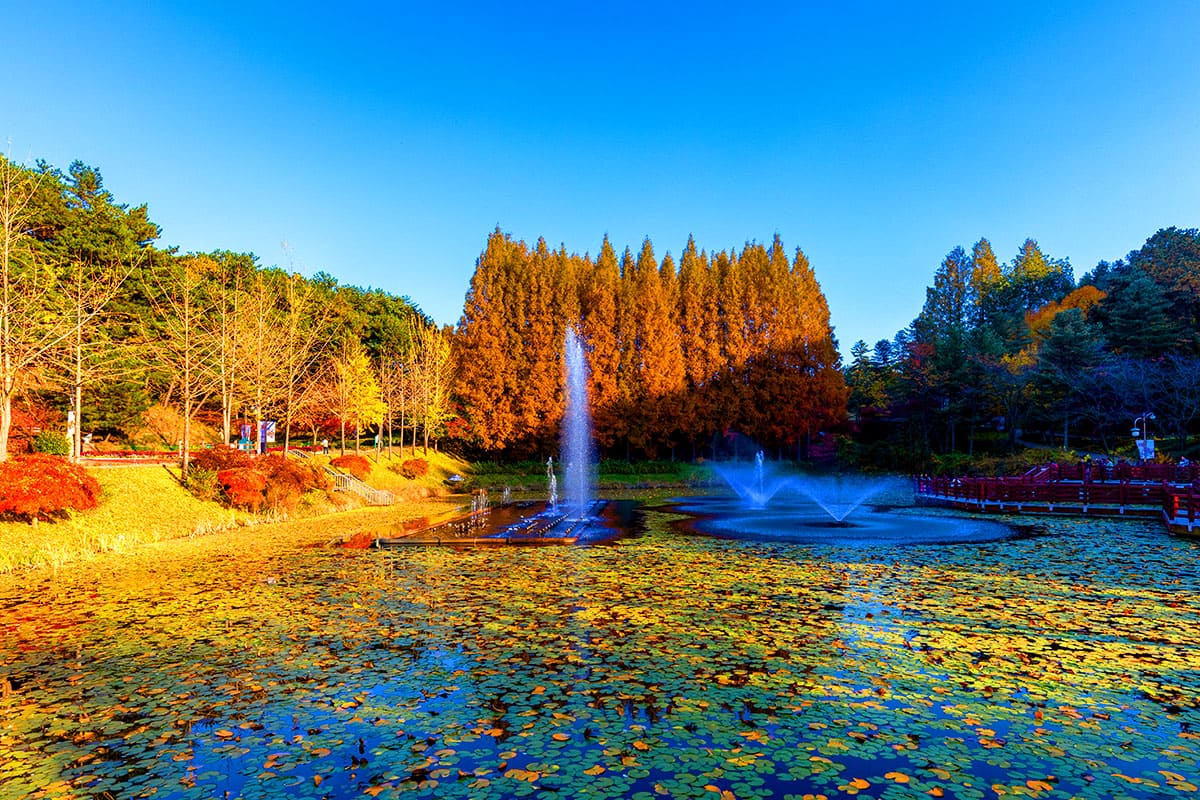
{"points": [[1141, 427]]}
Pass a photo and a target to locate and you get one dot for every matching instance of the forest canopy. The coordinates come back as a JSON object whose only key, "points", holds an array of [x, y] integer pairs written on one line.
{"points": [[106, 334], [1021, 350], [103, 331]]}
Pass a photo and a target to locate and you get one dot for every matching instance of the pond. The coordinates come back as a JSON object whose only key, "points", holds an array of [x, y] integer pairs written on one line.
{"points": [[1055, 663]]}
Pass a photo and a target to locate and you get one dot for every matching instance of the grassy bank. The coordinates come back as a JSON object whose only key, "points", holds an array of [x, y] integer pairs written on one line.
{"points": [[613, 475], [141, 505]]}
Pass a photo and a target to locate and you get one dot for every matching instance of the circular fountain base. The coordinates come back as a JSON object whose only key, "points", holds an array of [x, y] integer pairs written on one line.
{"points": [[797, 520]]}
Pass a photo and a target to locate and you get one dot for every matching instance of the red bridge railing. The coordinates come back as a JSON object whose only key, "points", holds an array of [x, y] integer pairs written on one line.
{"points": [[1026, 490]]}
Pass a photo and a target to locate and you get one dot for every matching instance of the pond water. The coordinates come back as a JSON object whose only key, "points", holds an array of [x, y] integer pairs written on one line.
{"points": [[1056, 663]]}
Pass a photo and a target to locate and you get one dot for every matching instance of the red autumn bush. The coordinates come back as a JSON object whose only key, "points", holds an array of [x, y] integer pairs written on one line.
{"points": [[243, 487], [287, 481], [219, 458], [41, 486], [414, 468], [269, 482], [358, 466]]}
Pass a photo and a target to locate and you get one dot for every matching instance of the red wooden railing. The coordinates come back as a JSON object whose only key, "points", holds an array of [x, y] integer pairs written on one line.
{"points": [[1182, 504], [1026, 490]]}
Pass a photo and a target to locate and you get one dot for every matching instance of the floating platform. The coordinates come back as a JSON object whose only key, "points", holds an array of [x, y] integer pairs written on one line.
{"points": [[518, 525]]}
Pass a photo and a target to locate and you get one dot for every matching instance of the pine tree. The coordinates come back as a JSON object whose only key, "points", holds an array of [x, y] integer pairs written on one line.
{"points": [[730, 395], [1136, 316], [663, 354], [540, 402], [1171, 258]]}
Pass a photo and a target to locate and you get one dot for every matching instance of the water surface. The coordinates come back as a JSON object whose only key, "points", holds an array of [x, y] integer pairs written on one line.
{"points": [[1058, 663]]}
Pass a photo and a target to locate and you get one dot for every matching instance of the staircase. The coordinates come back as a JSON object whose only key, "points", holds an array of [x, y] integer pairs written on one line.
{"points": [[343, 482]]}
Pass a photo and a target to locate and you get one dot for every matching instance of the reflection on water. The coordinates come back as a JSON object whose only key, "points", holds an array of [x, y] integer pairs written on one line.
{"points": [[664, 664]]}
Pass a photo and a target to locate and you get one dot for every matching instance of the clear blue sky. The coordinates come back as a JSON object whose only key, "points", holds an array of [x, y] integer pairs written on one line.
{"points": [[383, 142]]}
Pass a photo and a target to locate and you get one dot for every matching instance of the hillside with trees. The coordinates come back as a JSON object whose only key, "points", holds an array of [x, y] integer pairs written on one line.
{"points": [[103, 334], [1019, 351]]}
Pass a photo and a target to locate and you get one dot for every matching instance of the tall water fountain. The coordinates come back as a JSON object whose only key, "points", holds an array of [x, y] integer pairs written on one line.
{"points": [[551, 485], [577, 454]]}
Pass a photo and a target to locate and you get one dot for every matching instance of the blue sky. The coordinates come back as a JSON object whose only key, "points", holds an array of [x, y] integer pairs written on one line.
{"points": [[383, 142]]}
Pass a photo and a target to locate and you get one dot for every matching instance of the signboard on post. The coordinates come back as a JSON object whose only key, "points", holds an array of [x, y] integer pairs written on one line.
{"points": [[1145, 449]]}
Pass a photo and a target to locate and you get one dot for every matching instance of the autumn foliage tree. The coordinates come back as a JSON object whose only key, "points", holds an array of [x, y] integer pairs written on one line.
{"points": [[678, 351]]}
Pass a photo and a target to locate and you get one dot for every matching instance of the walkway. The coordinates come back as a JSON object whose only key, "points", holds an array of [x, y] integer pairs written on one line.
{"points": [[1163, 491]]}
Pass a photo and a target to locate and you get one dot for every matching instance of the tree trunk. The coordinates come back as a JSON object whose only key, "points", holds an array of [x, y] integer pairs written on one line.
{"points": [[187, 438], [5, 423]]}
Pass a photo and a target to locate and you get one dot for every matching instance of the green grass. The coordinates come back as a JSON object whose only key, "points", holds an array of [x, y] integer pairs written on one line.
{"points": [[618, 475]]}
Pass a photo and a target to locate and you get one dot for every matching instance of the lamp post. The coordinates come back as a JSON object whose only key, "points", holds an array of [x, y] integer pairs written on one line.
{"points": [[1141, 427]]}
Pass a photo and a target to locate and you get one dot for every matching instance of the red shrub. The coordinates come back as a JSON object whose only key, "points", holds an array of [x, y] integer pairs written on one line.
{"points": [[271, 481], [359, 541], [288, 480], [221, 457], [243, 487], [41, 486], [414, 468], [358, 466]]}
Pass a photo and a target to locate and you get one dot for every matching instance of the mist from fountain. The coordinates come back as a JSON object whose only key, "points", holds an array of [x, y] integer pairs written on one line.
{"points": [[754, 485], [838, 496], [577, 451]]}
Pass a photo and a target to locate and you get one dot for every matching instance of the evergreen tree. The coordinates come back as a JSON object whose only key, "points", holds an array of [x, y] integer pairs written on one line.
{"points": [[485, 346], [1069, 350], [943, 325], [1171, 258], [1136, 315]]}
